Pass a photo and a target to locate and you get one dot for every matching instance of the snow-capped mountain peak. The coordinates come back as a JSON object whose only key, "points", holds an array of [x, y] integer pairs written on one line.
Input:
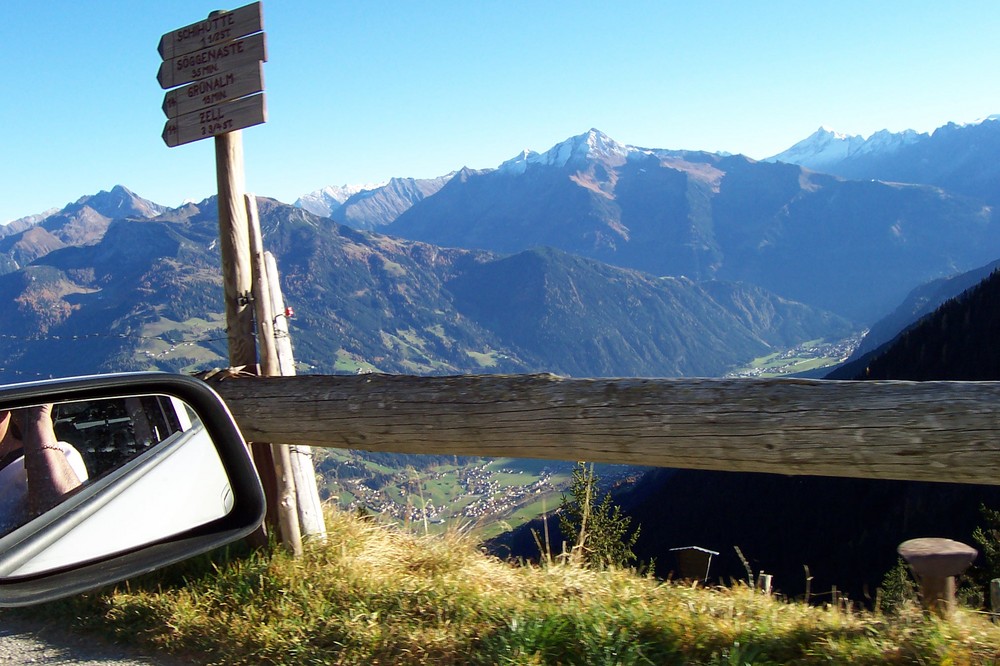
{"points": [[593, 145], [826, 148], [820, 149], [327, 200], [518, 163]]}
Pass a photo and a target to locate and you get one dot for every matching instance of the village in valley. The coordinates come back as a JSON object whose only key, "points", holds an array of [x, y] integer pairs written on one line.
{"points": [[472, 494]]}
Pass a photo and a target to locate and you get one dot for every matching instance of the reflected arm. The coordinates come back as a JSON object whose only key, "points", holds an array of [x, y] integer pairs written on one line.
{"points": [[49, 473]]}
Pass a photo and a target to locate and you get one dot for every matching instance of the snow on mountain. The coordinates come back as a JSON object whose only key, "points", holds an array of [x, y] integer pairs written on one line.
{"points": [[592, 145], [824, 148], [374, 208], [990, 118], [518, 163], [885, 141], [820, 149], [327, 200]]}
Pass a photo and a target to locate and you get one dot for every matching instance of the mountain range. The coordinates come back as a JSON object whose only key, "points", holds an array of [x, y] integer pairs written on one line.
{"points": [[370, 206], [815, 532], [957, 158], [143, 291], [591, 258], [854, 247]]}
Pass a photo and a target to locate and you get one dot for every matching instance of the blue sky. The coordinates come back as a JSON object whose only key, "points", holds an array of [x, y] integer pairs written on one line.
{"points": [[359, 92]]}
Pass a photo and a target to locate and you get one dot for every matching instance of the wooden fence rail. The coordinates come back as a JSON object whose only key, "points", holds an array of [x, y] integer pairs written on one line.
{"points": [[925, 431]]}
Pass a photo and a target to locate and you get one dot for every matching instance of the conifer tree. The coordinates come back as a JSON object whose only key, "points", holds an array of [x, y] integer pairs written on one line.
{"points": [[602, 532]]}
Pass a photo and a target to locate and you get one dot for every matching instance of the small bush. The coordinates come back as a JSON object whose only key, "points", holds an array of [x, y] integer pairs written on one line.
{"points": [[897, 590]]}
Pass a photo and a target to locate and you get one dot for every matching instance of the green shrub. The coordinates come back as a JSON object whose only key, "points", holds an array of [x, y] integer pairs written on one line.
{"points": [[602, 532]]}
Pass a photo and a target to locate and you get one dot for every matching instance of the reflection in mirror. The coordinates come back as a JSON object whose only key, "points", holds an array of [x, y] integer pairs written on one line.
{"points": [[110, 475]]}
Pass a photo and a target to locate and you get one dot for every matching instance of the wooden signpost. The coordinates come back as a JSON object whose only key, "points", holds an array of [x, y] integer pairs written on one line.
{"points": [[218, 63], [211, 61]]}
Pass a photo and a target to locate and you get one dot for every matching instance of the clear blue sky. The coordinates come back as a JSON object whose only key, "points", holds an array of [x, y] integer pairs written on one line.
{"points": [[362, 91]]}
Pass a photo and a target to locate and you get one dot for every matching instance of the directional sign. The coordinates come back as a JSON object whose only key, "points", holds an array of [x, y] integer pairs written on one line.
{"points": [[216, 29], [218, 61], [211, 61], [215, 120], [219, 89]]}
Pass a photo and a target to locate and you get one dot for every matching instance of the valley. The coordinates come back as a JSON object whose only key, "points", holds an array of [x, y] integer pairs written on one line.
{"points": [[478, 496], [809, 356]]}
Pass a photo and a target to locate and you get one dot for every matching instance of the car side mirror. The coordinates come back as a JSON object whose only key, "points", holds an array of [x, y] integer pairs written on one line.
{"points": [[104, 478]]}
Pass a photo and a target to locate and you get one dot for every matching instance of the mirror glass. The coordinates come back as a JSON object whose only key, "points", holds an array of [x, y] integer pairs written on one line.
{"points": [[100, 477]]}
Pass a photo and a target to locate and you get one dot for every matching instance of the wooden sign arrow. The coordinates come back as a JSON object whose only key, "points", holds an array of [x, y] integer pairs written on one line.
{"points": [[215, 120], [216, 29], [211, 61], [219, 89]]}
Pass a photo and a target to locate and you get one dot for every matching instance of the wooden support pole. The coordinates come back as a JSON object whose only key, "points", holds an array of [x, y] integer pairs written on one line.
{"points": [[288, 515], [234, 248], [310, 508], [261, 293], [285, 499], [237, 280], [282, 339]]}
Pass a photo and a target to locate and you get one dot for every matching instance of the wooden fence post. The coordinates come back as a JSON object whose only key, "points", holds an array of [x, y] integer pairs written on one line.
{"points": [[285, 501], [261, 293], [764, 582], [303, 471], [288, 515], [282, 340]]}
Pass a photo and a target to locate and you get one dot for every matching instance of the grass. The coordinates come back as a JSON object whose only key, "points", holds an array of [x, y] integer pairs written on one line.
{"points": [[373, 594], [484, 359], [346, 362], [188, 342]]}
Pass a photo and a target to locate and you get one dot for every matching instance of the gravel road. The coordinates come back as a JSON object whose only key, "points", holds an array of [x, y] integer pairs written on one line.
{"points": [[29, 641]]}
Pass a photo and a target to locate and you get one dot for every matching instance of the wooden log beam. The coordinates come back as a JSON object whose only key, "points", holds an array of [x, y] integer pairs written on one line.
{"points": [[925, 431]]}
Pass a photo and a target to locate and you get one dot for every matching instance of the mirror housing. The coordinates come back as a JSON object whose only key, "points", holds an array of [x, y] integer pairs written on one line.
{"points": [[24, 581]]}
